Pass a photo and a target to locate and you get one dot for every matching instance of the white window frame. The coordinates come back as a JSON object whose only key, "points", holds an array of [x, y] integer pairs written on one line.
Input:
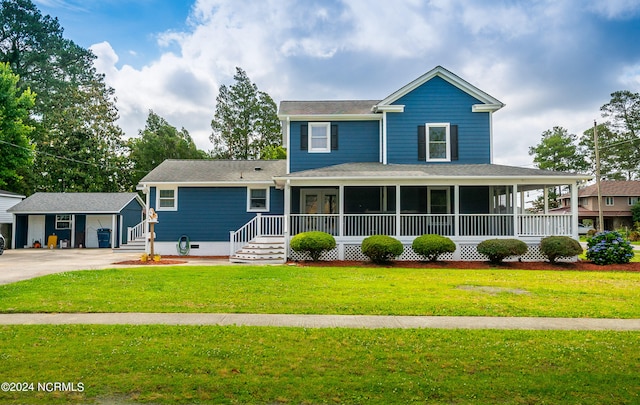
{"points": [[327, 146], [249, 198], [633, 200], [175, 198], [447, 127], [60, 220], [609, 201]]}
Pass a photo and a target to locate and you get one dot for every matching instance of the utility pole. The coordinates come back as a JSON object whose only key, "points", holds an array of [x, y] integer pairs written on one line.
{"points": [[600, 227]]}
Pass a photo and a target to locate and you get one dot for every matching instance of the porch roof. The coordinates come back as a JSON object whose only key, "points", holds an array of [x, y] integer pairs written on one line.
{"points": [[379, 171]]}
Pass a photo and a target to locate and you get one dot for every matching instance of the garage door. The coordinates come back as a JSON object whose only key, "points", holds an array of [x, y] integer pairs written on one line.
{"points": [[95, 222]]}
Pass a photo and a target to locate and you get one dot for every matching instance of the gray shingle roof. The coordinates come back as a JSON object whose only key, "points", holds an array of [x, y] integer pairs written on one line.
{"points": [[327, 107], [214, 171], [360, 170], [105, 203]]}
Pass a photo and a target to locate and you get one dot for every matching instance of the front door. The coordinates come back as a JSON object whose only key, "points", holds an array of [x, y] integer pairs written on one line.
{"points": [[319, 201], [321, 207]]}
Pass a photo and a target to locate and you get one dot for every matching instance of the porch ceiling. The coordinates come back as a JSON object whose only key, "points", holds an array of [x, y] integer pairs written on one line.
{"points": [[453, 173]]}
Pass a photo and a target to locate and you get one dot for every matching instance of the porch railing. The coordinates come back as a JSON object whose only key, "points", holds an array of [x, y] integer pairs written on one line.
{"points": [[260, 225], [135, 232], [442, 224]]}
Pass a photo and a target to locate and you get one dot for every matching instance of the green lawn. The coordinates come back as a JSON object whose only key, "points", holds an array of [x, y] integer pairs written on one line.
{"points": [[323, 290], [263, 365], [251, 365]]}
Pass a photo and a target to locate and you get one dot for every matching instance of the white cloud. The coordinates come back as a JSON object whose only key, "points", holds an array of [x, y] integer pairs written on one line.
{"points": [[532, 56]]}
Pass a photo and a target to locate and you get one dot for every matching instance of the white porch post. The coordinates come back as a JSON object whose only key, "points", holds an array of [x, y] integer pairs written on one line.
{"points": [[286, 219], [398, 217], [456, 210], [73, 230], [341, 201], [384, 137], [13, 231], [574, 210], [546, 199], [514, 194], [114, 228]]}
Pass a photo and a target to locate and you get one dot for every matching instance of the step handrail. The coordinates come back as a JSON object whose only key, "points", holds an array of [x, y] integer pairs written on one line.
{"points": [[135, 232], [260, 225]]}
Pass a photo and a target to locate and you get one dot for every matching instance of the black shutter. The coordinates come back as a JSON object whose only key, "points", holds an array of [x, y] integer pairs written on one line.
{"points": [[304, 137], [422, 143], [334, 137], [453, 134]]}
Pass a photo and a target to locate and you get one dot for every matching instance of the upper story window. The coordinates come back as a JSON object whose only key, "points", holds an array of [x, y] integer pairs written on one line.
{"points": [[319, 137], [167, 199], [437, 142], [257, 199], [63, 221], [633, 200], [609, 201]]}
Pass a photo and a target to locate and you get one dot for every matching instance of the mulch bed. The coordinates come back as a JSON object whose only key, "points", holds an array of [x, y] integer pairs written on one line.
{"points": [[563, 266]]}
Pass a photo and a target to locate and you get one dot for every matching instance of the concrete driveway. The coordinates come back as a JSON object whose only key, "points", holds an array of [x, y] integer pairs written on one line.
{"points": [[23, 264]]}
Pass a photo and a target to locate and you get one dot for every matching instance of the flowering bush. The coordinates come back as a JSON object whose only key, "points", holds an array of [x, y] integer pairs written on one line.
{"points": [[609, 248]]}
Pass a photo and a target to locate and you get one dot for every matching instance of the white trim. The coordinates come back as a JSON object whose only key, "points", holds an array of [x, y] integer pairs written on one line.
{"points": [[396, 108], [447, 127], [444, 74], [288, 159], [384, 138], [175, 198], [331, 117], [327, 147], [266, 204], [486, 107], [66, 220], [490, 138]]}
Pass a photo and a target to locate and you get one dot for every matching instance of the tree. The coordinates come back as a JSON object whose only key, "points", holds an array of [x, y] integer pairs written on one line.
{"points": [[558, 151], [159, 141], [78, 144], [245, 120], [617, 155], [15, 149]]}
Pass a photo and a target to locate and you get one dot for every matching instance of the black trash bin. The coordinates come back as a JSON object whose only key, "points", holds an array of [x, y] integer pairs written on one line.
{"points": [[104, 238]]}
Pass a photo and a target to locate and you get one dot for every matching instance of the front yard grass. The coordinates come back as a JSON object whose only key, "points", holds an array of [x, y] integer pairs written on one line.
{"points": [[262, 365], [337, 290]]}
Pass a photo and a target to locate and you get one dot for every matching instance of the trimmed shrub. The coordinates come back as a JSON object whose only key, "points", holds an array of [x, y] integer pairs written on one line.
{"points": [[499, 249], [381, 248], [314, 243], [556, 247], [431, 246], [609, 248]]}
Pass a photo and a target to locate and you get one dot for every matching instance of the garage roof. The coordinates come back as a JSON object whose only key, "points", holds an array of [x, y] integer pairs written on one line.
{"points": [[74, 203]]}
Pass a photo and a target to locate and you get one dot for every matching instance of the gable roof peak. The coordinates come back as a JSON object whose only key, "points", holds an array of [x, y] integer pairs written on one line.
{"points": [[488, 102]]}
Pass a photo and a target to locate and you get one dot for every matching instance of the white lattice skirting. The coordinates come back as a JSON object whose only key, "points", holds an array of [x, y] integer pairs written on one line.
{"points": [[464, 252]]}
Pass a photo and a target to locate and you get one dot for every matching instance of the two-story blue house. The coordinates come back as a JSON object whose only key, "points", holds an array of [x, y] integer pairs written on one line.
{"points": [[419, 161]]}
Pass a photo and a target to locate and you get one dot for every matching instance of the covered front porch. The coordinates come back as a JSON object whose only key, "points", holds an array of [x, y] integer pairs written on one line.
{"points": [[468, 204]]}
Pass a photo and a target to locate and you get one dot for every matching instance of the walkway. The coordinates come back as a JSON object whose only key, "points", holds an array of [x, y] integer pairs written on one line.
{"points": [[324, 321]]}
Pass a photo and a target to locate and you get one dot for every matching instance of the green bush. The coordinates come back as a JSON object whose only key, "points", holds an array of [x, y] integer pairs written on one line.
{"points": [[314, 243], [431, 246], [556, 247], [381, 248], [609, 248], [499, 249]]}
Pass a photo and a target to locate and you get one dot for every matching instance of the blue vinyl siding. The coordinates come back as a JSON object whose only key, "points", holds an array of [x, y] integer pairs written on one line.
{"points": [[207, 214], [131, 216], [438, 101], [358, 141]]}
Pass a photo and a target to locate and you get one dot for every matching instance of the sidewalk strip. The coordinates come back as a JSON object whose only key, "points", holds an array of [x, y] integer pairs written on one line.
{"points": [[323, 321]]}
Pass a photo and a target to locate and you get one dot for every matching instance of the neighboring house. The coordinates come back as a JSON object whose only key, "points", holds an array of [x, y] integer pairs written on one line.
{"points": [[74, 218], [617, 199], [7, 200], [418, 161]]}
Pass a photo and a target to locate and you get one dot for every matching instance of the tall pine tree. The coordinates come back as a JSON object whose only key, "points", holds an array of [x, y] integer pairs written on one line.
{"points": [[245, 120]]}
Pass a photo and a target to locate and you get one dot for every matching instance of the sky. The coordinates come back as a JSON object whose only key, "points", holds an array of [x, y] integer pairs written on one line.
{"points": [[552, 62]]}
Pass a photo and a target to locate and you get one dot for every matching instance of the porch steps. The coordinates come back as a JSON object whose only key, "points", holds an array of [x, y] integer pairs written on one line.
{"points": [[135, 246], [262, 250]]}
